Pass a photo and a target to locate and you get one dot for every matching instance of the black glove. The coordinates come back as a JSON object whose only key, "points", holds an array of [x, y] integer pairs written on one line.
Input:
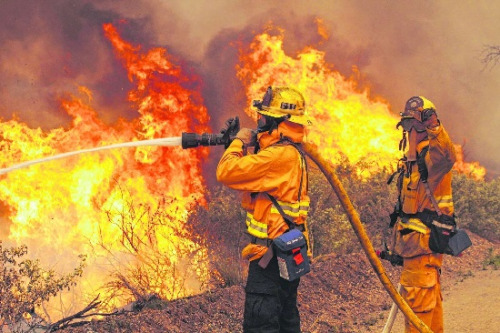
{"points": [[231, 128], [429, 118]]}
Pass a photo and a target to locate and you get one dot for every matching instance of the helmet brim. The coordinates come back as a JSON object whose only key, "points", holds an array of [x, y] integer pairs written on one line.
{"points": [[301, 120]]}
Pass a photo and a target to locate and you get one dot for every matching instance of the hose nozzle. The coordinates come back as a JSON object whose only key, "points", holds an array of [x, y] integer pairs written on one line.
{"points": [[227, 134], [193, 140]]}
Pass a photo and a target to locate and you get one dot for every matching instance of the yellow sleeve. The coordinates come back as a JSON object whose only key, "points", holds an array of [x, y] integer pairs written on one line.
{"points": [[255, 172], [441, 156]]}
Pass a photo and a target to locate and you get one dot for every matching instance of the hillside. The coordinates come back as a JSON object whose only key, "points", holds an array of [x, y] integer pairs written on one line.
{"points": [[341, 294]]}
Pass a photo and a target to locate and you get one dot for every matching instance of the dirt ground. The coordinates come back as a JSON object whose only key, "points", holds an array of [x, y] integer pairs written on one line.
{"points": [[341, 294], [470, 305]]}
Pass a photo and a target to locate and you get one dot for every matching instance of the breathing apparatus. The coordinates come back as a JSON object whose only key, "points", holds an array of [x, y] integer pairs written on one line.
{"points": [[417, 111]]}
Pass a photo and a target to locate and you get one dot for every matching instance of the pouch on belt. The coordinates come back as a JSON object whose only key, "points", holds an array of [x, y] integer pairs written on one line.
{"points": [[291, 252]]}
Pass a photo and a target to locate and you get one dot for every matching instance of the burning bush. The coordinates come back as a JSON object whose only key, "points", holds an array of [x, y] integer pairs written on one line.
{"points": [[220, 227], [147, 264]]}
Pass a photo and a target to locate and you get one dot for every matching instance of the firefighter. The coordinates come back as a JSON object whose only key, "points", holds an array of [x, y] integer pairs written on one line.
{"points": [[425, 195], [276, 167]]}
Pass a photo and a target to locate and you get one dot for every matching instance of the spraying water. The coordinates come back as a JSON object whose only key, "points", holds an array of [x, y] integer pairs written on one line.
{"points": [[173, 141]]}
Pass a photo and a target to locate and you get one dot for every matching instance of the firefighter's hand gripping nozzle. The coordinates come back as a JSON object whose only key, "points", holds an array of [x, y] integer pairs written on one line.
{"points": [[226, 136]]}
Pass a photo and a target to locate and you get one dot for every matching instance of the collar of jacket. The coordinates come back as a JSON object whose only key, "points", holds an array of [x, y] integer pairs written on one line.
{"points": [[292, 131]]}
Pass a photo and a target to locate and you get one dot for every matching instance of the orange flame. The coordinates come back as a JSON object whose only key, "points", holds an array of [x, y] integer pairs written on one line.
{"points": [[347, 121], [471, 169], [81, 204]]}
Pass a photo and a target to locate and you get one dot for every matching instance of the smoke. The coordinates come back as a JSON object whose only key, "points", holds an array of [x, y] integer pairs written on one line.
{"points": [[48, 50], [434, 49], [398, 49]]}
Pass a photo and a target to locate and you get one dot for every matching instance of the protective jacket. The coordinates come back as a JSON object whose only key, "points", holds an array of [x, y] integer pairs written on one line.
{"points": [[278, 169], [413, 198], [421, 267]]}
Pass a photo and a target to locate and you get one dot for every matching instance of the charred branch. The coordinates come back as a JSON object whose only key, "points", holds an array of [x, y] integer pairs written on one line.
{"points": [[491, 55], [76, 319]]}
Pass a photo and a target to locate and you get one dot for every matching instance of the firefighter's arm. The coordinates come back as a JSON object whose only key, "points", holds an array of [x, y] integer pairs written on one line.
{"points": [[441, 156], [254, 173]]}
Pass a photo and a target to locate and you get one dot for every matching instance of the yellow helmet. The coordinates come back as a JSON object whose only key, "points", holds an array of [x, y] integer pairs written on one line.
{"points": [[283, 102], [415, 106]]}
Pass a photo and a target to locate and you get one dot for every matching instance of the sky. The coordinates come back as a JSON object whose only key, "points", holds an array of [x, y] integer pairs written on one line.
{"points": [[400, 48]]}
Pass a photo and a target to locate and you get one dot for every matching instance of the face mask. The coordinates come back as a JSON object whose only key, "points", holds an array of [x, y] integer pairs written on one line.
{"points": [[413, 127], [263, 124], [268, 124], [411, 123]]}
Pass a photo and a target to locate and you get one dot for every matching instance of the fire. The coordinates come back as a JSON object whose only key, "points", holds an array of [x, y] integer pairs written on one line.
{"points": [[124, 208], [471, 169], [348, 122]]}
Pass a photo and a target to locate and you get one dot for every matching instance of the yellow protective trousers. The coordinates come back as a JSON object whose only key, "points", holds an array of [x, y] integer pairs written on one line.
{"points": [[422, 290]]}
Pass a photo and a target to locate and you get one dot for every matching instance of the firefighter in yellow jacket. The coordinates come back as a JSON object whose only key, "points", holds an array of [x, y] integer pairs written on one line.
{"points": [[425, 195], [277, 168]]}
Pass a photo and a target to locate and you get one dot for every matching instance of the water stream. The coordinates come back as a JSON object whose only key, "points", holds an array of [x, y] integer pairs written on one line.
{"points": [[173, 141]]}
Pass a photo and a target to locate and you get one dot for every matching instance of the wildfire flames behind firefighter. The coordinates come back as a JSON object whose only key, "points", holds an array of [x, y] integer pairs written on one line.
{"points": [[275, 172]]}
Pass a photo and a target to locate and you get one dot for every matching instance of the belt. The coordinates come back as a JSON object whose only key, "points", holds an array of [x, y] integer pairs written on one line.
{"points": [[261, 241], [426, 216], [266, 241]]}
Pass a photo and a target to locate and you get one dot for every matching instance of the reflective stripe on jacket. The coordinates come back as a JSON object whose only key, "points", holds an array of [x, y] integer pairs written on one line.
{"points": [[276, 169]]}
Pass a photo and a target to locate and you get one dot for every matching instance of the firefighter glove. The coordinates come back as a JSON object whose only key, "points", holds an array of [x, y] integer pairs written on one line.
{"points": [[247, 136], [229, 131], [231, 127], [429, 118]]}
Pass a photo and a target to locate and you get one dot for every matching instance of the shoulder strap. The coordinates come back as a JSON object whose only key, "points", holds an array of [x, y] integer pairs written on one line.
{"points": [[287, 219], [433, 199], [303, 162]]}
